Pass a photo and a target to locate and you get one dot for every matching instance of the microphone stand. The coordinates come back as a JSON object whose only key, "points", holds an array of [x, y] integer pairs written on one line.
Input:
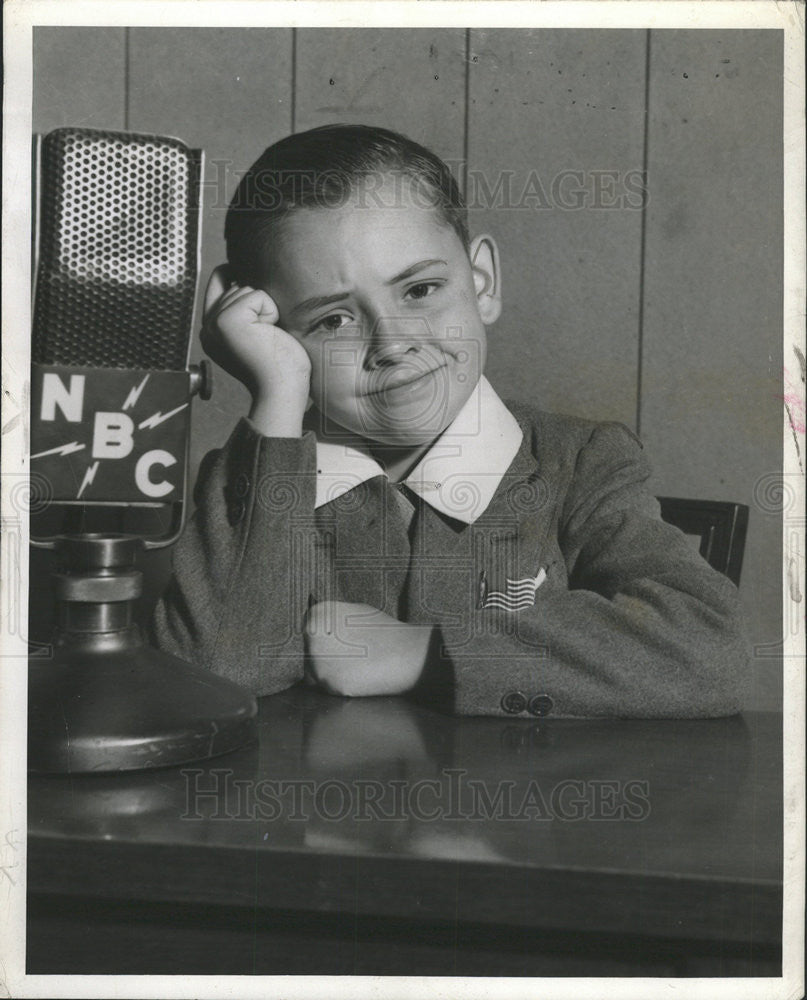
{"points": [[106, 701]]}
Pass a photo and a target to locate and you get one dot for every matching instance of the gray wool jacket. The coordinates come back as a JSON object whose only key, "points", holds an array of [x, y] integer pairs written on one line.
{"points": [[627, 619]]}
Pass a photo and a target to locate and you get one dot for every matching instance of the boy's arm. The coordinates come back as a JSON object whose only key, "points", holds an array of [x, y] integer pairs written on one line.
{"points": [[236, 601], [239, 591], [645, 628]]}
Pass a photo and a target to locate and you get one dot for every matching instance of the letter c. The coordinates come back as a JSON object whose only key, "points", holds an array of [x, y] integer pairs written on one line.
{"points": [[146, 486]]}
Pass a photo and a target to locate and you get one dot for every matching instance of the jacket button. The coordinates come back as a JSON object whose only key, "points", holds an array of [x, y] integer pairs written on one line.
{"points": [[241, 487], [514, 702], [236, 511], [541, 705]]}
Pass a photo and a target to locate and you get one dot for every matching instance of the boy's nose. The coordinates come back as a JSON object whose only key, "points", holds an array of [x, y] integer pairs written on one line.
{"points": [[393, 339]]}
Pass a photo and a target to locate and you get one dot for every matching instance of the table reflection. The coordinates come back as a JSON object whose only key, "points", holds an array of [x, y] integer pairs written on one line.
{"points": [[386, 776]]}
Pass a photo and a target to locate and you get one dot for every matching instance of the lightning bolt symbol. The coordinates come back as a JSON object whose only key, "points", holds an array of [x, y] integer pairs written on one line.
{"points": [[89, 475], [134, 393], [158, 417], [63, 449]]}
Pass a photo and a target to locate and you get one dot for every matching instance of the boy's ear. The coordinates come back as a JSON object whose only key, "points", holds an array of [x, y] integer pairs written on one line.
{"points": [[484, 256]]}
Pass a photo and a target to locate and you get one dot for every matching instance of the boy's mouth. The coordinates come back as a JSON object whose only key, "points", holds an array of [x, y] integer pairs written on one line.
{"points": [[397, 379]]}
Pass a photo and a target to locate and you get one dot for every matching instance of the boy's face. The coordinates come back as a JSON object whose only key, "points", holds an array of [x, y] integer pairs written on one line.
{"points": [[382, 295]]}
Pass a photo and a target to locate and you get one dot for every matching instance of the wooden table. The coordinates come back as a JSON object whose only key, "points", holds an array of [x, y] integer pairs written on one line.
{"points": [[376, 836]]}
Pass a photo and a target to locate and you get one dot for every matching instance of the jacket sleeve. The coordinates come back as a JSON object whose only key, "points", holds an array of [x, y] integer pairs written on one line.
{"points": [[240, 585], [640, 626]]}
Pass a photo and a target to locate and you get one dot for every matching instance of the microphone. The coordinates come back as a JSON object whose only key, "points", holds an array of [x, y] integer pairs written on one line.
{"points": [[116, 249]]}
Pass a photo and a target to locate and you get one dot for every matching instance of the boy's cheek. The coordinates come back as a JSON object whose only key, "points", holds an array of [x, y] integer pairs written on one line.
{"points": [[464, 324], [335, 396], [326, 374]]}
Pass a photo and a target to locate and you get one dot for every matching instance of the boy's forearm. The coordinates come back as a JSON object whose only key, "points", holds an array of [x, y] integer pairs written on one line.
{"points": [[655, 652], [231, 606]]}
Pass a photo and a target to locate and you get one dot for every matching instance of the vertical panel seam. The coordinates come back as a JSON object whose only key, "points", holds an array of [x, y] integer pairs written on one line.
{"points": [[467, 114], [643, 236], [126, 77], [293, 123]]}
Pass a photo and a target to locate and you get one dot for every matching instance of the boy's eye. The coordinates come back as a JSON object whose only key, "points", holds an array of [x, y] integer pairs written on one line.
{"points": [[422, 289], [331, 323]]}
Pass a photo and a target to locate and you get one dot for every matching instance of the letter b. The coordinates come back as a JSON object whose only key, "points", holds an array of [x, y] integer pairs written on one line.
{"points": [[112, 436]]}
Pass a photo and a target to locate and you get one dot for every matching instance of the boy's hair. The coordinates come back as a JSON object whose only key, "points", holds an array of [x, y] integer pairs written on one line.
{"points": [[320, 168]]}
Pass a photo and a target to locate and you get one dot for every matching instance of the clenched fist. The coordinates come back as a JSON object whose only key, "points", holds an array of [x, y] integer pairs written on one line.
{"points": [[240, 334], [357, 650]]}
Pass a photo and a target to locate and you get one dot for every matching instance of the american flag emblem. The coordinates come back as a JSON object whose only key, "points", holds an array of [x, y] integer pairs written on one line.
{"points": [[517, 594]]}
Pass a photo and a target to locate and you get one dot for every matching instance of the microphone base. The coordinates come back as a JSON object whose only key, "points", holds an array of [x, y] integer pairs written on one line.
{"points": [[110, 703]]}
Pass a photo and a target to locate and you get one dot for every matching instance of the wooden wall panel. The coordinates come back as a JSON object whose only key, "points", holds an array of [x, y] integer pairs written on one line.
{"points": [[544, 102], [78, 78], [227, 91], [711, 395], [410, 80]]}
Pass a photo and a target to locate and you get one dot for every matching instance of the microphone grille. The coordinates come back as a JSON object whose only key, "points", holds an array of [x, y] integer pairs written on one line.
{"points": [[118, 250]]}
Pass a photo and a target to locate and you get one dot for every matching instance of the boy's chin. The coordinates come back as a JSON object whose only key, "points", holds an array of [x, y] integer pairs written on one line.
{"points": [[378, 437], [414, 434], [404, 443], [389, 440]]}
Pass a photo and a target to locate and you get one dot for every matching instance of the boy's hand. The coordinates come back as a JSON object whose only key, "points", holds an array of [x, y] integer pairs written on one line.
{"points": [[239, 333], [357, 650]]}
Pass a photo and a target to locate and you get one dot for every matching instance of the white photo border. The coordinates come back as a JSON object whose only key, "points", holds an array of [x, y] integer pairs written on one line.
{"points": [[20, 16]]}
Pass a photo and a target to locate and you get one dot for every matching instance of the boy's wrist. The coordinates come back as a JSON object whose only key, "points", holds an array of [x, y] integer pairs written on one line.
{"points": [[279, 411]]}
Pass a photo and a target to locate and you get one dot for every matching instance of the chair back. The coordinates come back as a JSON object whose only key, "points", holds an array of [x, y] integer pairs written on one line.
{"points": [[721, 526]]}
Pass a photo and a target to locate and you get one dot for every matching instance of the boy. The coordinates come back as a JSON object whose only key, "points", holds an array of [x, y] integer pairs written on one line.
{"points": [[402, 530]]}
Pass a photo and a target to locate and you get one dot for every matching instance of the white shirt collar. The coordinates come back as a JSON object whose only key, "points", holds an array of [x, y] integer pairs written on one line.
{"points": [[457, 476]]}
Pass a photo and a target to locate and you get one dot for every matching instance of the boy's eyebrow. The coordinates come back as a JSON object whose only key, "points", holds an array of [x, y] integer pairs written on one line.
{"points": [[318, 301], [414, 269]]}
